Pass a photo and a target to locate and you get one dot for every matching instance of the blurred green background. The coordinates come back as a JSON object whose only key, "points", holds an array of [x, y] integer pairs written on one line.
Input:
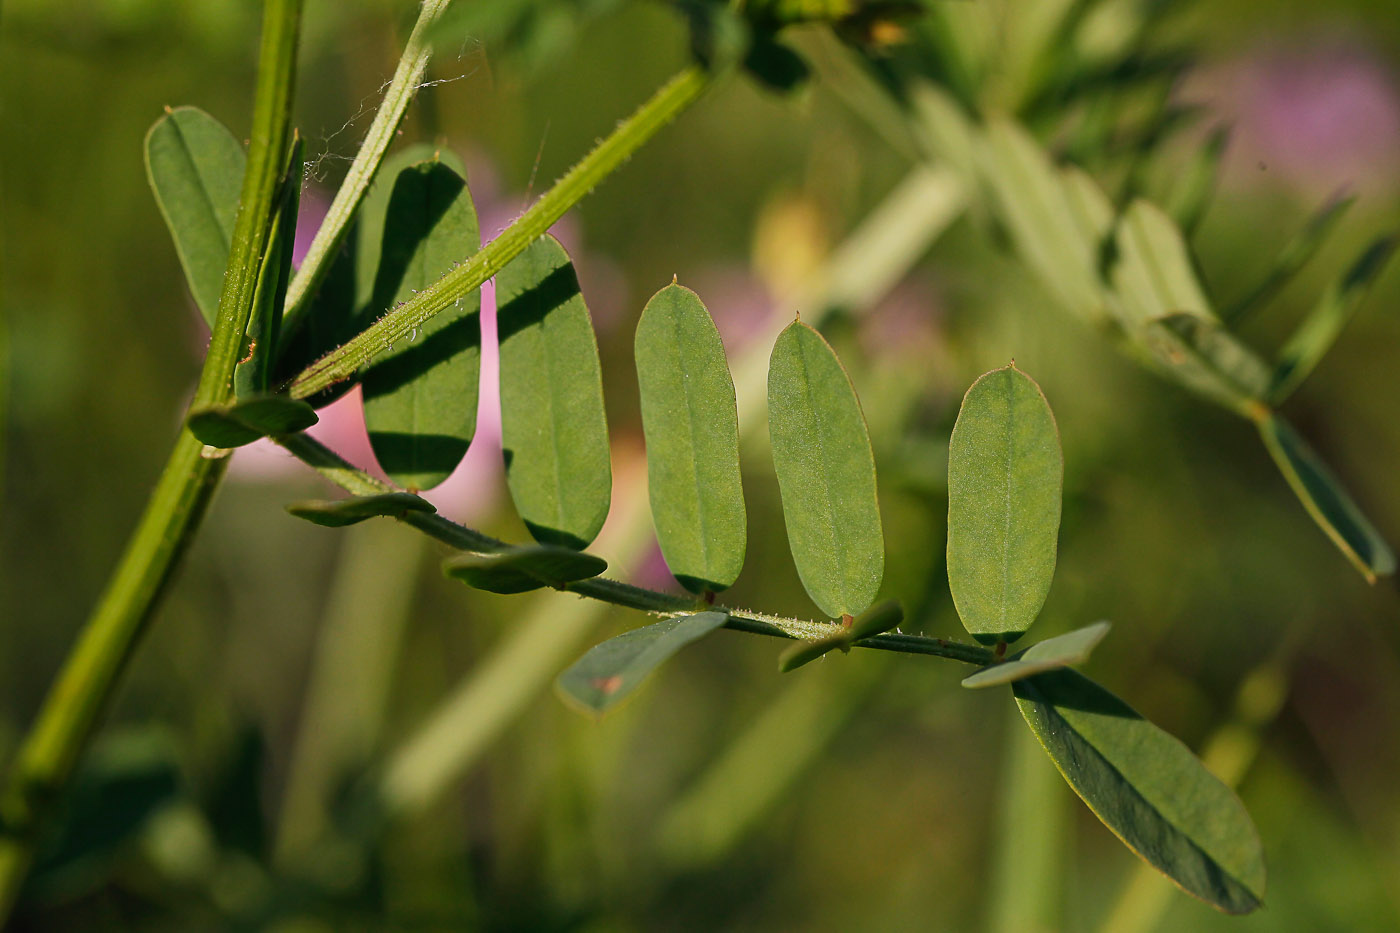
{"points": [[291, 665]]}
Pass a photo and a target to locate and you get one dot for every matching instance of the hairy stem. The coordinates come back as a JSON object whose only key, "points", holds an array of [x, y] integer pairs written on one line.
{"points": [[342, 363], [85, 685], [413, 64]]}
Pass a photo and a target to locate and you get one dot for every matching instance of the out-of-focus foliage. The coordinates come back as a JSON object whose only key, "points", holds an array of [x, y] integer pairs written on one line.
{"points": [[721, 796]]}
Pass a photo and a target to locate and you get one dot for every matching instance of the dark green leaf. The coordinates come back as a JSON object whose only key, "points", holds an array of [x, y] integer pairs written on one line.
{"points": [[692, 436], [805, 652], [420, 394], [246, 420], [1205, 357], [1295, 254], [1326, 500], [826, 473], [336, 513], [611, 671], [252, 374], [1061, 651], [1005, 476], [195, 167], [775, 65], [520, 569], [877, 620], [1319, 330], [553, 426], [1148, 788]]}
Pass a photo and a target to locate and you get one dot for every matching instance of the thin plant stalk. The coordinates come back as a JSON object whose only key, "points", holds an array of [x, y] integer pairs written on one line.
{"points": [[85, 684]]}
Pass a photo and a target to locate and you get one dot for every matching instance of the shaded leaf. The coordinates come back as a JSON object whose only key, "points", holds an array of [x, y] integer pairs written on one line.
{"points": [[252, 374], [805, 652], [195, 168], [420, 395], [1295, 254], [1005, 476], [826, 473], [775, 65], [1319, 330], [337, 513], [611, 671], [1194, 188], [1153, 273], [1064, 650], [248, 419], [554, 429], [1325, 499], [691, 425], [1205, 357], [520, 569], [1148, 788]]}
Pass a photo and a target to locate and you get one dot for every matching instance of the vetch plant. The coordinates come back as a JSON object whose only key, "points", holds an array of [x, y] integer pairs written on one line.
{"points": [[388, 300]]}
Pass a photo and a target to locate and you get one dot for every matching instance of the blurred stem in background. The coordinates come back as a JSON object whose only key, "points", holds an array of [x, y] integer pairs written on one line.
{"points": [[89, 676]]}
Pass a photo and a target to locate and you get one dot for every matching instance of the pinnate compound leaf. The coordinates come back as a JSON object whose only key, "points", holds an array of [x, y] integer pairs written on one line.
{"points": [[195, 168], [826, 473], [1147, 788], [1326, 500], [420, 395], [337, 513], [1206, 358], [1320, 329], [691, 424], [248, 419], [554, 430], [1065, 650], [520, 569], [1005, 477], [611, 671]]}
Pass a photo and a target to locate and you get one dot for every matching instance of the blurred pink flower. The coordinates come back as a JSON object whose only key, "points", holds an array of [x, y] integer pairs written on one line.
{"points": [[1314, 116]]}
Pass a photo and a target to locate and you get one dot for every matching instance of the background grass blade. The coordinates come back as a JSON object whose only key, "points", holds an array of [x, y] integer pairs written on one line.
{"points": [[691, 423], [553, 427], [1005, 476], [1320, 329], [1326, 500], [1148, 788], [195, 167], [611, 671], [1064, 650], [826, 473], [420, 395]]}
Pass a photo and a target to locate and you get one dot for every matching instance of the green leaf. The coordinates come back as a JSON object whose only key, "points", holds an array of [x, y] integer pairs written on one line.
{"points": [[691, 425], [420, 395], [611, 671], [877, 620], [1326, 500], [1320, 329], [248, 419], [1194, 188], [195, 167], [1295, 254], [1148, 788], [252, 375], [520, 569], [826, 473], [775, 65], [1005, 476], [1203, 356], [1153, 274], [337, 513], [553, 426], [1061, 651], [805, 652]]}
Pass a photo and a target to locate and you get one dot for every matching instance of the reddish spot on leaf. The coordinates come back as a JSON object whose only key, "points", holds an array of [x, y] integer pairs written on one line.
{"points": [[606, 685]]}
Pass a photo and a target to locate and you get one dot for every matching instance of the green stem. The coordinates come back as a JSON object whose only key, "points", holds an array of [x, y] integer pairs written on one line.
{"points": [[85, 685], [342, 363], [408, 76], [348, 477]]}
